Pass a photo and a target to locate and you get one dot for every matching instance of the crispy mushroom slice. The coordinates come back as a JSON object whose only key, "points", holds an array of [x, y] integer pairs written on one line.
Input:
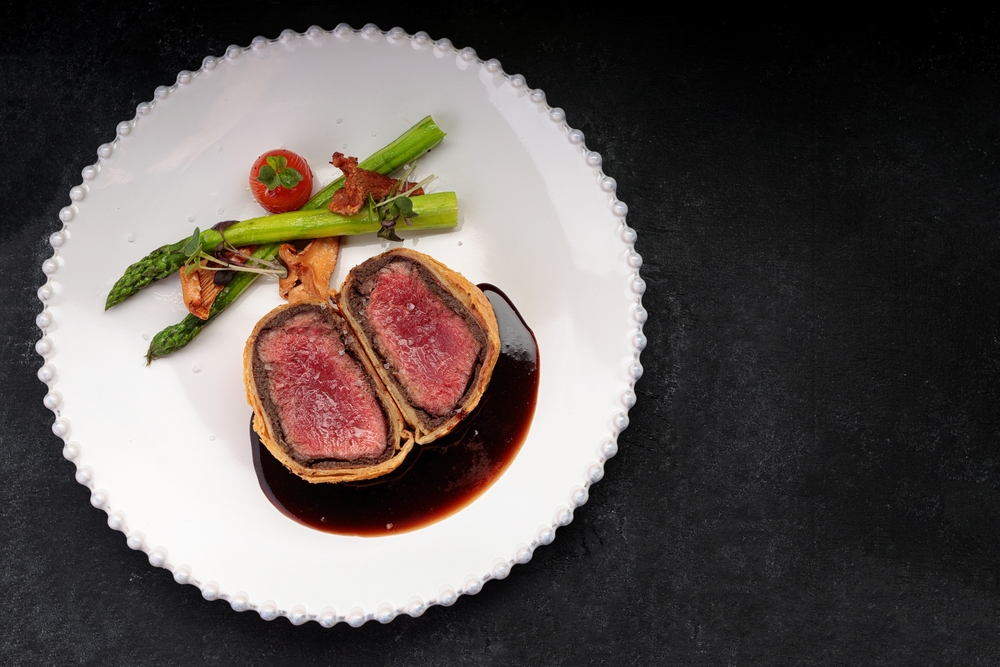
{"points": [[431, 334], [359, 183], [309, 271], [199, 290], [319, 406]]}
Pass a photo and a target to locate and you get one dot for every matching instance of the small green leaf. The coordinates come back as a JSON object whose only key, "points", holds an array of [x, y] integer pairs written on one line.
{"points": [[276, 173], [268, 176], [289, 177], [405, 206], [194, 243], [277, 162]]}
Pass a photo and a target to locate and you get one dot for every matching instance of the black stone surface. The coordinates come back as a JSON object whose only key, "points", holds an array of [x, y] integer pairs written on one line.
{"points": [[811, 474]]}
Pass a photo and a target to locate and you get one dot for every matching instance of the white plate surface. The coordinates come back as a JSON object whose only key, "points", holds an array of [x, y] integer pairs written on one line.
{"points": [[164, 448]]}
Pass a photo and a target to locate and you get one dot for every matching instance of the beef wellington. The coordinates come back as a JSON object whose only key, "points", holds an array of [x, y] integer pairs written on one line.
{"points": [[343, 396], [319, 406], [430, 333]]}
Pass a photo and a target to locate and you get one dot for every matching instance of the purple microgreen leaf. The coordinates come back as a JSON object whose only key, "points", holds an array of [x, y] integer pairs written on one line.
{"points": [[388, 231], [224, 225]]}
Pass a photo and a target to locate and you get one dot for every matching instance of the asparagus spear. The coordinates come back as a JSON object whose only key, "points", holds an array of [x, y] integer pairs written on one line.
{"points": [[178, 335], [165, 260], [158, 264], [438, 210]]}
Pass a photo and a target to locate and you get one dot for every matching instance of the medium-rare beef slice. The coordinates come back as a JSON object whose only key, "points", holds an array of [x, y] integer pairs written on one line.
{"points": [[430, 332], [318, 401], [430, 347], [323, 400]]}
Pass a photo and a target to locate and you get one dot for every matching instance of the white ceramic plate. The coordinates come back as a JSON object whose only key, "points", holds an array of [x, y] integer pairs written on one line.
{"points": [[164, 449]]}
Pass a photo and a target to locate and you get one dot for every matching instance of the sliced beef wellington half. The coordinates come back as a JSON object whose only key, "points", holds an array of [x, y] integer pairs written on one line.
{"points": [[431, 334], [319, 406]]}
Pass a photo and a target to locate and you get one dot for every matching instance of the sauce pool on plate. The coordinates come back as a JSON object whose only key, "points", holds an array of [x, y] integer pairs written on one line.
{"points": [[437, 479]]}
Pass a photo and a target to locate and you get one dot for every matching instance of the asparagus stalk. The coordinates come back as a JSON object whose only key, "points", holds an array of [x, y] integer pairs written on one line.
{"points": [[178, 335], [158, 264], [438, 210], [163, 261]]}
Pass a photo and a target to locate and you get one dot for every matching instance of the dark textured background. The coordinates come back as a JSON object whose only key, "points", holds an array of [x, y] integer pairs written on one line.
{"points": [[811, 473]]}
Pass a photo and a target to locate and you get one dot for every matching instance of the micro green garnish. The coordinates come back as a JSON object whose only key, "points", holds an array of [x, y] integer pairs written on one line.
{"points": [[401, 181], [276, 173], [192, 249], [224, 225], [388, 229], [195, 254], [395, 206]]}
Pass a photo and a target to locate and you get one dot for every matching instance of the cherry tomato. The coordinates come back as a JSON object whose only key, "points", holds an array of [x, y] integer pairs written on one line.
{"points": [[281, 181]]}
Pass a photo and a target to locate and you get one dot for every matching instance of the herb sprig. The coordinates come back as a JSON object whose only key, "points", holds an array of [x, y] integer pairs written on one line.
{"points": [[395, 206], [216, 262], [276, 173]]}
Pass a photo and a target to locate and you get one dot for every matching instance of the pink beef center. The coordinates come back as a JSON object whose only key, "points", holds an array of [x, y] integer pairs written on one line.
{"points": [[325, 404], [429, 345]]}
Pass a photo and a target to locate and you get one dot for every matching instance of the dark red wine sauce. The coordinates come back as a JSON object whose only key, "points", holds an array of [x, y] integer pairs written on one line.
{"points": [[437, 479]]}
